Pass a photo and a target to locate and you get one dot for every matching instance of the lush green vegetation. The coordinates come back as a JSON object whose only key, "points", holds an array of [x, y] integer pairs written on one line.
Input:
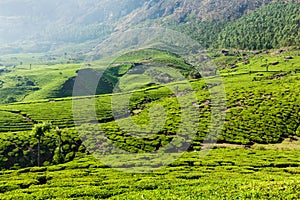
{"points": [[27, 78], [28, 81], [20, 149], [206, 21], [223, 174], [272, 26], [262, 107], [153, 105]]}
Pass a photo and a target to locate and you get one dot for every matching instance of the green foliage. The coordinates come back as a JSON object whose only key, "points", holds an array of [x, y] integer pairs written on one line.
{"points": [[21, 148], [13, 121], [39, 130], [269, 27], [225, 173], [56, 79], [262, 107], [41, 82], [275, 25], [204, 32]]}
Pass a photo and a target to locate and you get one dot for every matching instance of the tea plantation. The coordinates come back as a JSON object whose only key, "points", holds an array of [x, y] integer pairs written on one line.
{"points": [[223, 174], [261, 110]]}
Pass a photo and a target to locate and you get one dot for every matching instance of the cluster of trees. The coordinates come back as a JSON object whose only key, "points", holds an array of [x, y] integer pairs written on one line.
{"points": [[272, 26], [45, 145], [206, 32]]}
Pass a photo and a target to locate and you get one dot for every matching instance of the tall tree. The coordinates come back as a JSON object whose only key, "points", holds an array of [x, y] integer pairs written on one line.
{"points": [[39, 131], [58, 153]]}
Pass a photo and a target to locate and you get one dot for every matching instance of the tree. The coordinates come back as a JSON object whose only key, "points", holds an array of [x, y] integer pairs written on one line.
{"points": [[39, 131], [58, 154], [58, 132]]}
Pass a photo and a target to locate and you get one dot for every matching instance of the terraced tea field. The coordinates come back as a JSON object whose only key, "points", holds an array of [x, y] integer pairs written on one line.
{"points": [[262, 111], [224, 173]]}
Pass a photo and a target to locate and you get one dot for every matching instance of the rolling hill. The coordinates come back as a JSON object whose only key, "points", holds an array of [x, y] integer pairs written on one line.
{"points": [[261, 105]]}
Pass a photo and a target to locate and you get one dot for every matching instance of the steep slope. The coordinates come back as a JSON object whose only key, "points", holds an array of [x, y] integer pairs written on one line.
{"points": [[273, 26], [50, 22], [49, 25], [49, 14], [202, 10]]}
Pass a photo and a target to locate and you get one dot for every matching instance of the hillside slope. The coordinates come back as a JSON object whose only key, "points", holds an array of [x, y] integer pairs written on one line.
{"points": [[273, 26], [202, 10], [270, 26], [262, 106], [50, 25], [37, 17], [38, 26]]}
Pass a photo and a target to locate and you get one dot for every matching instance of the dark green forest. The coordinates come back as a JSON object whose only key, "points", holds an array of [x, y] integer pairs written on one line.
{"points": [[273, 26]]}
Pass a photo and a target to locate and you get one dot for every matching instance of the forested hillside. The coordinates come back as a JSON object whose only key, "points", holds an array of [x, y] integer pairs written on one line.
{"points": [[274, 26], [214, 23], [179, 11]]}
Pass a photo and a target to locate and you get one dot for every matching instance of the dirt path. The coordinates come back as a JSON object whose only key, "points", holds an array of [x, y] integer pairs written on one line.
{"points": [[24, 116]]}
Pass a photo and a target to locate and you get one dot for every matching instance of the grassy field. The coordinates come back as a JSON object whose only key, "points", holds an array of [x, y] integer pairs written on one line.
{"points": [[31, 77]]}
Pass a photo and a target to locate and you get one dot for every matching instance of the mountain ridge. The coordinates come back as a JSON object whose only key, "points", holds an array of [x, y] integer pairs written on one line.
{"points": [[59, 23]]}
